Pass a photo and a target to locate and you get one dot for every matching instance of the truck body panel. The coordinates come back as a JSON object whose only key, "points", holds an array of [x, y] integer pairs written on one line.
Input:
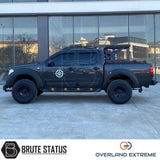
{"points": [[83, 69]]}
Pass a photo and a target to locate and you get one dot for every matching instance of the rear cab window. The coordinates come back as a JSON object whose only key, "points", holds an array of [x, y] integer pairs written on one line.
{"points": [[87, 58]]}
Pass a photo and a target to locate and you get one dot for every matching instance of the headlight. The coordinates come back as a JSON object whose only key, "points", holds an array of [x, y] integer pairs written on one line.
{"points": [[10, 71]]}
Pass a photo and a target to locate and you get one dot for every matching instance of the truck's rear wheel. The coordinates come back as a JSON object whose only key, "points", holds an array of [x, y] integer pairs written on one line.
{"points": [[119, 91], [24, 91]]}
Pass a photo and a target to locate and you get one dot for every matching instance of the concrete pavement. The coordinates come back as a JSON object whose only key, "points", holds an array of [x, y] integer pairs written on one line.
{"points": [[81, 116]]}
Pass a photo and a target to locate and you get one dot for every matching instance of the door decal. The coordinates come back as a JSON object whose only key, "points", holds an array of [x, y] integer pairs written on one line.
{"points": [[59, 73]]}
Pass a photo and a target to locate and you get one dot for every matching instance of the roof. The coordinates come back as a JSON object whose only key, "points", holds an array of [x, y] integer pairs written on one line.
{"points": [[77, 47]]}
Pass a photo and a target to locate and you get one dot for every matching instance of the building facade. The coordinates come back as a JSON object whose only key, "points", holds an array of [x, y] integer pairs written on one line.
{"points": [[32, 30]]}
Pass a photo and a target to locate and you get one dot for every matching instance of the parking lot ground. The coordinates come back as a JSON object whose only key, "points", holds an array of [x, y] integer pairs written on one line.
{"points": [[81, 116]]}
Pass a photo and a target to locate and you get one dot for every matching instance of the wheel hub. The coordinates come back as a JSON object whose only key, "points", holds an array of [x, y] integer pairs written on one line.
{"points": [[119, 92], [23, 91]]}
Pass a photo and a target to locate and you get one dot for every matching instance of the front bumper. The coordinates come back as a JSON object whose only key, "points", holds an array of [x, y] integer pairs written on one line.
{"points": [[4, 87], [7, 88]]}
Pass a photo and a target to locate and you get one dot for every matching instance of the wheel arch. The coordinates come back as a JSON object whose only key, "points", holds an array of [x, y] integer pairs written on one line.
{"points": [[123, 75], [26, 74]]}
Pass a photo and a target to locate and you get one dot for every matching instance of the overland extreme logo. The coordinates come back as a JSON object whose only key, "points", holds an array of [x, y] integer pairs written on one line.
{"points": [[125, 145], [10, 149]]}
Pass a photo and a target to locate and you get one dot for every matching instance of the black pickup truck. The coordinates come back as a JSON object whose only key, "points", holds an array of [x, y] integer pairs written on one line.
{"points": [[81, 69]]}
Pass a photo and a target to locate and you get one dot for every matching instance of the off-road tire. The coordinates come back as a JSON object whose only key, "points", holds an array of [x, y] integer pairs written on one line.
{"points": [[24, 91], [119, 91]]}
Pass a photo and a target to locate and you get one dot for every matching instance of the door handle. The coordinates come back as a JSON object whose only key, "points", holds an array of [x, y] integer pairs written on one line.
{"points": [[71, 69], [95, 68]]}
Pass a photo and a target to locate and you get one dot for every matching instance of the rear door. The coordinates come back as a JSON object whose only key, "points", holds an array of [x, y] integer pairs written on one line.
{"points": [[88, 72]]}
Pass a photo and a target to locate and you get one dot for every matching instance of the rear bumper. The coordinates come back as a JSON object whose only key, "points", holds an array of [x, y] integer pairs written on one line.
{"points": [[154, 82]]}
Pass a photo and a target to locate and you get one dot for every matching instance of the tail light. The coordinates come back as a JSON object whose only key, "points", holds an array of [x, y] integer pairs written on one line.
{"points": [[151, 71]]}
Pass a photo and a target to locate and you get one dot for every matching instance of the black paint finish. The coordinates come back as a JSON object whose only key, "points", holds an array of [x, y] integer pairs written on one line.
{"points": [[82, 69]]}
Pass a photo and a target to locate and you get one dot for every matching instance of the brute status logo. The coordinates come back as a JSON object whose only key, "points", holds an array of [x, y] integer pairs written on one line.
{"points": [[10, 149]]}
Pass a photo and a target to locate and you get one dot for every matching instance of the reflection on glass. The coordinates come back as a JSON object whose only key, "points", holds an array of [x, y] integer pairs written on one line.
{"points": [[88, 58], [64, 59], [24, 0], [60, 0], [157, 45], [87, 0], [25, 39], [113, 30], [86, 30], [116, 54], [60, 33], [5, 1], [6, 47], [141, 37]]}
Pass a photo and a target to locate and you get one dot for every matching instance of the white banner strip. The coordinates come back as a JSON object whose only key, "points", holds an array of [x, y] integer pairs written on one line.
{"points": [[80, 149]]}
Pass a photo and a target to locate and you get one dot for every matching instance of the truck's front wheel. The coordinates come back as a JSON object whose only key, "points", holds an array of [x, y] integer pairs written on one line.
{"points": [[119, 91], [24, 91]]}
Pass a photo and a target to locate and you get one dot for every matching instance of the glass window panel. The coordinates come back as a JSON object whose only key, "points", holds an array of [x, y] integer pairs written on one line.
{"points": [[85, 0], [86, 30], [141, 29], [157, 49], [24, 0], [60, 33], [6, 1], [26, 43], [57, 60], [89, 0], [124, 0], [67, 58], [63, 59], [60, 0], [6, 47], [87, 58], [113, 30]]}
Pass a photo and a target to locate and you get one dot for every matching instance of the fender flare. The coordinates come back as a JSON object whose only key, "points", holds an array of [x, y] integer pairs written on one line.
{"points": [[121, 72], [28, 72]]}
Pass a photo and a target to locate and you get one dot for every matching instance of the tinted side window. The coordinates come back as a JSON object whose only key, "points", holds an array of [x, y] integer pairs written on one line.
{"points": [[64, 59], [57, 60], [87, 58]]}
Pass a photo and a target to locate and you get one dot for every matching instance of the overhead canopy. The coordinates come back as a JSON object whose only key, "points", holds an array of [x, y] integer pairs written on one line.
{"points": [[77, 8]]}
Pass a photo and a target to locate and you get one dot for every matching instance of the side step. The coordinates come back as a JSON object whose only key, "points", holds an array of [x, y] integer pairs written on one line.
{"points": [[72, 90]]}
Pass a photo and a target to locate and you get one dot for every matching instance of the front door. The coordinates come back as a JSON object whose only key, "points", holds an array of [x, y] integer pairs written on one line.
{"points": [[60, 71]]}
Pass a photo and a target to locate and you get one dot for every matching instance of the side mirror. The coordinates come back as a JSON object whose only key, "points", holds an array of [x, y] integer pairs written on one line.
{"points": [[51, 63]]}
